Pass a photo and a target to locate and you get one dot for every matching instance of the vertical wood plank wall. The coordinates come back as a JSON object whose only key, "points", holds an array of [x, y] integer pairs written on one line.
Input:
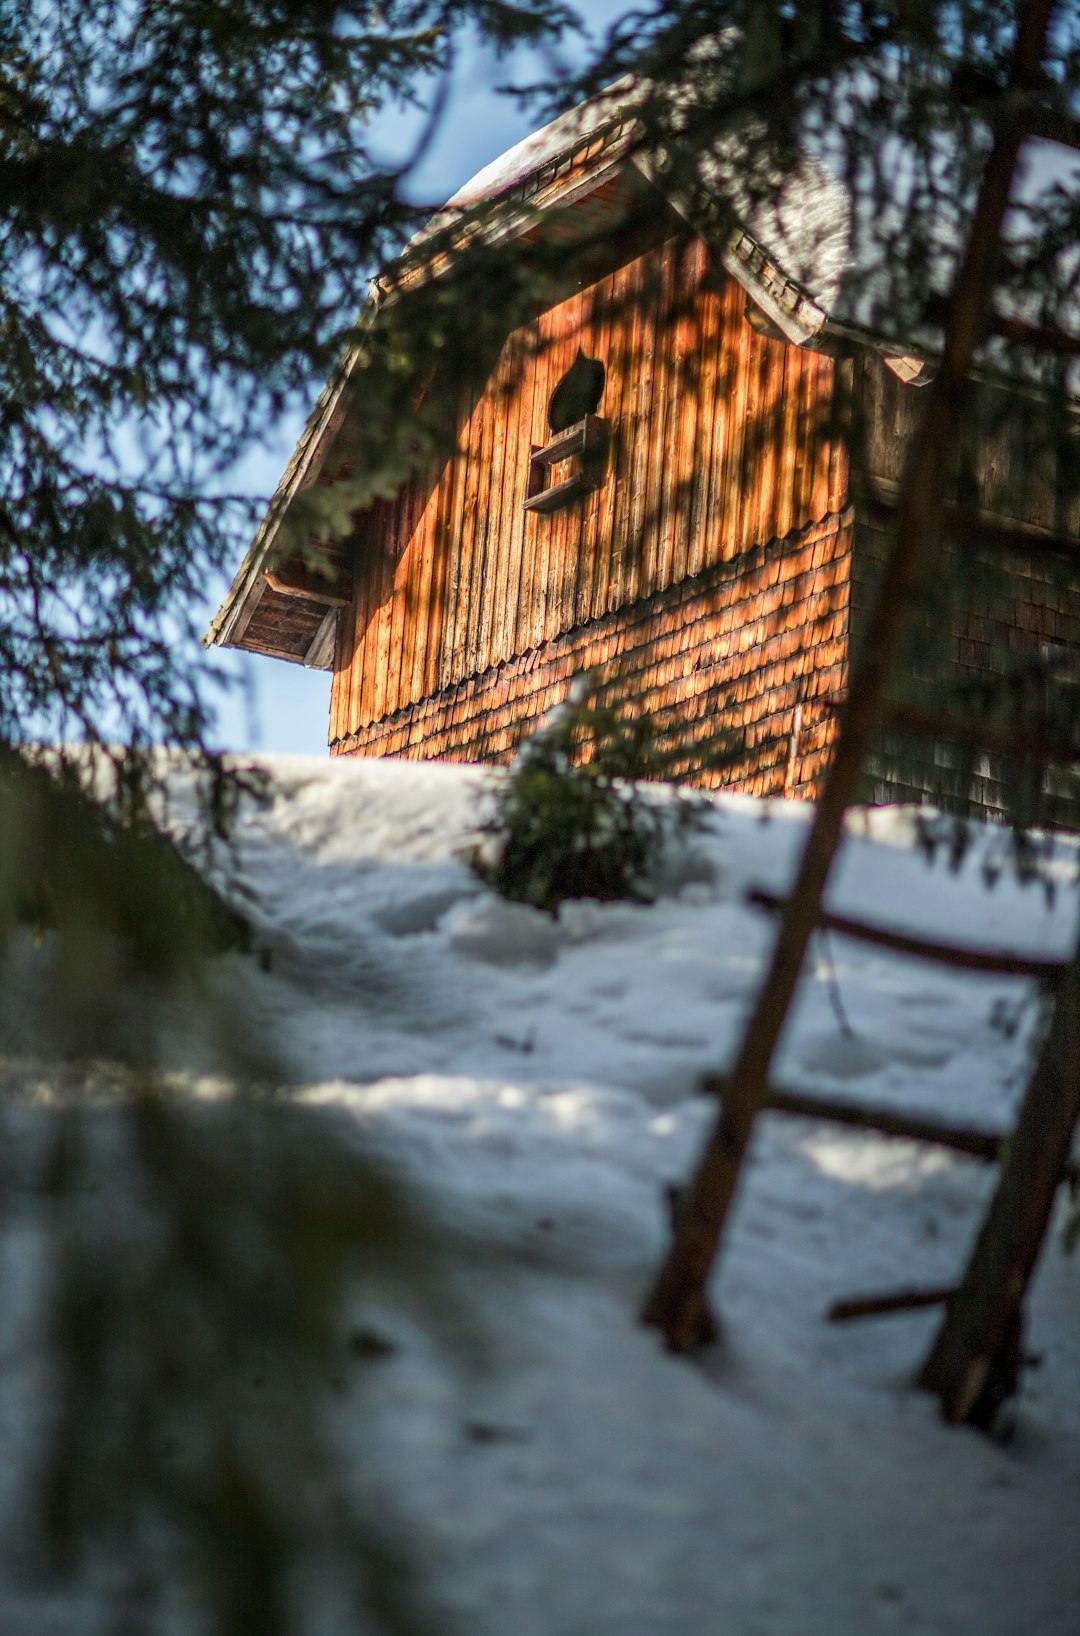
{"points": [[720, 442], [1017, 459]]}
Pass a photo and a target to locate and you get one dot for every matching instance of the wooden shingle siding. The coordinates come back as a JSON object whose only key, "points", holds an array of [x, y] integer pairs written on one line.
{"points": [[736, 650], [719, 442]]}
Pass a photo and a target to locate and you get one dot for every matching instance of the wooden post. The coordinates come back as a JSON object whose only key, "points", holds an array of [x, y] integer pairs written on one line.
{"points": [[972, 1364], [678, 1302]]}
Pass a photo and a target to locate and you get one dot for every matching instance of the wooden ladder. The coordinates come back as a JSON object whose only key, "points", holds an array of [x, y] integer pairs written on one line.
{"points": [[977, 1342]]}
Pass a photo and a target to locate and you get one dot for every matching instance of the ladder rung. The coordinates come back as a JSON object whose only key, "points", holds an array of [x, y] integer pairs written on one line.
{"points": [[976, 1142], [995, 738], [879, 1306], [1042, 337], [997, 963], [1048, 126], [983, 526]]}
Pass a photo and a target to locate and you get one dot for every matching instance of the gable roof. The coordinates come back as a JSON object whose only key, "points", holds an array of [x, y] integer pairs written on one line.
{"points": [[789, 253]]}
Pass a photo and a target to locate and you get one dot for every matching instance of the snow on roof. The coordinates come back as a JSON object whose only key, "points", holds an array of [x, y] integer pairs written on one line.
{"points": [[799, 224], [802, 220], [561, 135], [807, 226], [802, 224]]}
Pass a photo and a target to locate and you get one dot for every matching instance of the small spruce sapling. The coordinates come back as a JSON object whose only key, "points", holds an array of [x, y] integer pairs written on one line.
{"points": [[571, 820]]}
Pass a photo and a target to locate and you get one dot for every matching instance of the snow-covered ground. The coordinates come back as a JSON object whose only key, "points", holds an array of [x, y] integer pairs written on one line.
{"points": [[536, 1081]]}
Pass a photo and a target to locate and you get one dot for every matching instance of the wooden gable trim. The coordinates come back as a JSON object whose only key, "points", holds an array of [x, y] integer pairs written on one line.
{"points": [[229, 626]]}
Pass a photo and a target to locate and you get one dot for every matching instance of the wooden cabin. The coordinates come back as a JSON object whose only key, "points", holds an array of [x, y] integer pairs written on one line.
{"points": [[704, 528]]}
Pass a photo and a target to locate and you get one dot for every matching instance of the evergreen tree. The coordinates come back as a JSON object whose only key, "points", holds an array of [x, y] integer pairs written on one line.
{"points": [[192, 204], [192, 207]]}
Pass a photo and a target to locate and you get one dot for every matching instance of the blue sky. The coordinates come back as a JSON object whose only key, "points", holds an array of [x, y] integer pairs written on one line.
{"points": [[283, 707]]}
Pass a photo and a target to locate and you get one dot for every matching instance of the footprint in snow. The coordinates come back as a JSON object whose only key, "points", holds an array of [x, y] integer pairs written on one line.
{"points": [[843, 1056], [421, 914], [502, 934]]}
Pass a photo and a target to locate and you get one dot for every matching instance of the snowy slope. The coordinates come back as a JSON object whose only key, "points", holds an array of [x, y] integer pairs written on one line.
{"points": [[537, 1082]]}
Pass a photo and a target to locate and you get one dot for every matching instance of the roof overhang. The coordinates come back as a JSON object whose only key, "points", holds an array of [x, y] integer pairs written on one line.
{"points": [[277, 606], [771, 251]]}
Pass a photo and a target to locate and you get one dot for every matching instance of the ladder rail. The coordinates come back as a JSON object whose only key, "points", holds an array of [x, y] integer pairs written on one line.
{"points": [[678, 1302]]}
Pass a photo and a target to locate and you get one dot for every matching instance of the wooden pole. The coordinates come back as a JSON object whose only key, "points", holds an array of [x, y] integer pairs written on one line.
{"points": [[678, 1302], [972, 1362]]}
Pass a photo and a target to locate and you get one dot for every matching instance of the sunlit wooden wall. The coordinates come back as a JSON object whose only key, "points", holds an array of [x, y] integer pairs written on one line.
{"points": [[719, 442]]}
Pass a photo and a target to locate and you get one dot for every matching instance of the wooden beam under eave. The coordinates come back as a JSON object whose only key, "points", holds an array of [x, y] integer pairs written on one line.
{"points": [[320, 655], [308, 587], [268, 651]]}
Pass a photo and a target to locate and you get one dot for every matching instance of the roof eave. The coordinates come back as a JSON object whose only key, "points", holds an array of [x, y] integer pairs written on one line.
{"points": [[227, 627]]}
